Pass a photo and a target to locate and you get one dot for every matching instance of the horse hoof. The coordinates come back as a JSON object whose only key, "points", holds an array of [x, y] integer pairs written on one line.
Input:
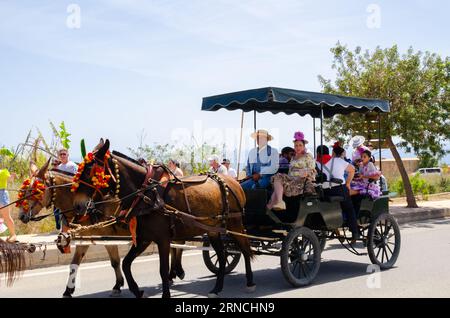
{"points": [[67, 296], [182, 275], [250, 289], [171, 282], [144, 295], [213, 295], [115, 293]]}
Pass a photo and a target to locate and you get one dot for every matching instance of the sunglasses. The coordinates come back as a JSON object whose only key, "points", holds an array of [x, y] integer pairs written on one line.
{"points": [[63, 154]]}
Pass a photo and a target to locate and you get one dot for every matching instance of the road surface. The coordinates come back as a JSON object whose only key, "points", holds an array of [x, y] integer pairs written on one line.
{"points": [[422, 271]]}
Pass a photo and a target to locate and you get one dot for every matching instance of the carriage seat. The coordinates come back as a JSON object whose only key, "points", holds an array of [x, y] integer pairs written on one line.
{"points": [[333, 198]]}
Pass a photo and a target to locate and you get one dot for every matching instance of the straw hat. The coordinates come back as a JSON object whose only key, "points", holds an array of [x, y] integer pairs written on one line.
{"points": [[263, 133], [357, 141]]}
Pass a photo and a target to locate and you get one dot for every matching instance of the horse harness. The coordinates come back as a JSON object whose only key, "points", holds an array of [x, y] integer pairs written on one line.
{"points": [[158, 204]]}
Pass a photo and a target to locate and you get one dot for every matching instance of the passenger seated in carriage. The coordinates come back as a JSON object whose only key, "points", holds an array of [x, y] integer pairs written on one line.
{"points": [[287, 153], [367, 172], [338, 185], [262, 162], [300, 178]]}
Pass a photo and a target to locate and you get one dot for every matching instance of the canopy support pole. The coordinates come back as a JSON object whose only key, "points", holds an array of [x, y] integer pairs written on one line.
{"points": [[379, 145], [240, 145], [314, 134], [321, 140], [254, 124]]}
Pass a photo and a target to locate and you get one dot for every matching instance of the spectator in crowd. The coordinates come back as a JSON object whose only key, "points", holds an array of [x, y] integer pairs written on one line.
{"points": [[6, 176], [174, 166], [216, 166], [67, 166], [231, 171]]}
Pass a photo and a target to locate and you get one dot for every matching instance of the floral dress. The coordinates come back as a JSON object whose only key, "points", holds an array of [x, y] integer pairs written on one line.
{"points": [[363, 185], [294, 183]]}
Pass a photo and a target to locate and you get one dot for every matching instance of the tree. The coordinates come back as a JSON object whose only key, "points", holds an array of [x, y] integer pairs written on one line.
{"points": [[416, 84]]}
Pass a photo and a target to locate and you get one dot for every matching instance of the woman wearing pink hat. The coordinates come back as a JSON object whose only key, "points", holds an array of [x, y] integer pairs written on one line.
{"points": [[300, 178]]}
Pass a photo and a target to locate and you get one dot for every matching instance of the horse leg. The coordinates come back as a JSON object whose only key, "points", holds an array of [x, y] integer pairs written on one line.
{"points": [[164, 251], [113, 252], [134, 252], [80, 252], [244, 246], [173, 264], [179, 268], [217, 244]]}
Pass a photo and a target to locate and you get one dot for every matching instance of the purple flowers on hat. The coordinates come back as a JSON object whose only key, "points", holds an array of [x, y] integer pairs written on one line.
{"points": [[299, 136]]}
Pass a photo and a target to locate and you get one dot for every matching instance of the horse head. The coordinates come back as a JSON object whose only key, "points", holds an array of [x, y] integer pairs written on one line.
{"points": [[34, 194]]}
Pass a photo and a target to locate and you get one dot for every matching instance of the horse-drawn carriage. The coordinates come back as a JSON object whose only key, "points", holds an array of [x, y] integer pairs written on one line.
{"points": [[298, 235], [157, 207]]}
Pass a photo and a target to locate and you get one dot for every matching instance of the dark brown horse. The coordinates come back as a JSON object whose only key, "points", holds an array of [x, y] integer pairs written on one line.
{"points": [[57, 194], [203, 201], [12, 260]]}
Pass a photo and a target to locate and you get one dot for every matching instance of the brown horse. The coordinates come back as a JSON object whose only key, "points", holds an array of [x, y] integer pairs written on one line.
{"points": [[57, 194], [209, 201], [12, 260]]}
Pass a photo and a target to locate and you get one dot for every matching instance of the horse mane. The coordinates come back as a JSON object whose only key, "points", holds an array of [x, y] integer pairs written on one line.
{"points": [[121, 155]]}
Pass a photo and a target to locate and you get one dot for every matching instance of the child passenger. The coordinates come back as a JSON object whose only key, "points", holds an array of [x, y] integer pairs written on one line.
{"points": [[366, 171]]}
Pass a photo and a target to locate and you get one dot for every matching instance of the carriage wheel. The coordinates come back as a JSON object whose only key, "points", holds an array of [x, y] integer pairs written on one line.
{"points": [[300, 257], [384, 241], [212, 261]]}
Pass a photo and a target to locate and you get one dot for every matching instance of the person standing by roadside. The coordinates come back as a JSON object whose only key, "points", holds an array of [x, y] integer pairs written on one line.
{"points": [[5, 176], [231, 172], [67, 166], [215, 166], [174, 166]]}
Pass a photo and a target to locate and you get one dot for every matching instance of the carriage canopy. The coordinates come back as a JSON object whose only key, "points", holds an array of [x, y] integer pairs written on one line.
{"points": [[289, 101]]}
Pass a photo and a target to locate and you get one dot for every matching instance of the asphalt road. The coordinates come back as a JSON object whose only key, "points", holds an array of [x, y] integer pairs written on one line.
{"points": [[421, 271]]}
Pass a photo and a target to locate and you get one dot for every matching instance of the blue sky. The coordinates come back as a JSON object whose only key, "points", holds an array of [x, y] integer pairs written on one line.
{"points": [[136, 65]]}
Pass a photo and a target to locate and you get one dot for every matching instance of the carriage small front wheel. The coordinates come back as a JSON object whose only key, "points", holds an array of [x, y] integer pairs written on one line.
{"points": [[384, 241], [212, 261], [300, 256]]}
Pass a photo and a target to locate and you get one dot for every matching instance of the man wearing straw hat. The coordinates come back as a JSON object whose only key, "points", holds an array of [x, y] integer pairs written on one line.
{"points": [[262, 163]]}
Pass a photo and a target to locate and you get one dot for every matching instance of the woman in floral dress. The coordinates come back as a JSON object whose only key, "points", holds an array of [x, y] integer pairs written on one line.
{"points": [[300, 178]]}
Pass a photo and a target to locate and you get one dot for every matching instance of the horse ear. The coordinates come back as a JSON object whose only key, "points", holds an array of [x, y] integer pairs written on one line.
{"points": [[101, 143], [102, 151], [41, 173], [33, 169]]}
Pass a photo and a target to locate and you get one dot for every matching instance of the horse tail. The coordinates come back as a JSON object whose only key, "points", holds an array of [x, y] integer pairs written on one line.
{"points": [[12, 261]]}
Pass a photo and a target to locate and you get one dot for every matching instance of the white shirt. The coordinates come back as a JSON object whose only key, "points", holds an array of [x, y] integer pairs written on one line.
{"points": [[339, 167], [70, 167], [274, 159], [232, 173], [221, 169]]}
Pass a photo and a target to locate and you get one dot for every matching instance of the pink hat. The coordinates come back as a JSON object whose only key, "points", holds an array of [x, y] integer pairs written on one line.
{"points": [[299, 136]]}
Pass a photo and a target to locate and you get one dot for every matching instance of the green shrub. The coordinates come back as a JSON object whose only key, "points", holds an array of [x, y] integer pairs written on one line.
{"points": [[421, 186]]}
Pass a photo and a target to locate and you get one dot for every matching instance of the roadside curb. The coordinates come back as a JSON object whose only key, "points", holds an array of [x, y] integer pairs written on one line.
{"points": [[404, 215]]}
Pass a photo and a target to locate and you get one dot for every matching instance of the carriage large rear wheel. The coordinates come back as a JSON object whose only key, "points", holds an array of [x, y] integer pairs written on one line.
{"points": [[300, 257], [384, 241], [212, 261]]}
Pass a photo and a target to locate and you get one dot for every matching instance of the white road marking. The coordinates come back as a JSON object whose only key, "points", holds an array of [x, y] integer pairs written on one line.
{"points": [[66, 271]]}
